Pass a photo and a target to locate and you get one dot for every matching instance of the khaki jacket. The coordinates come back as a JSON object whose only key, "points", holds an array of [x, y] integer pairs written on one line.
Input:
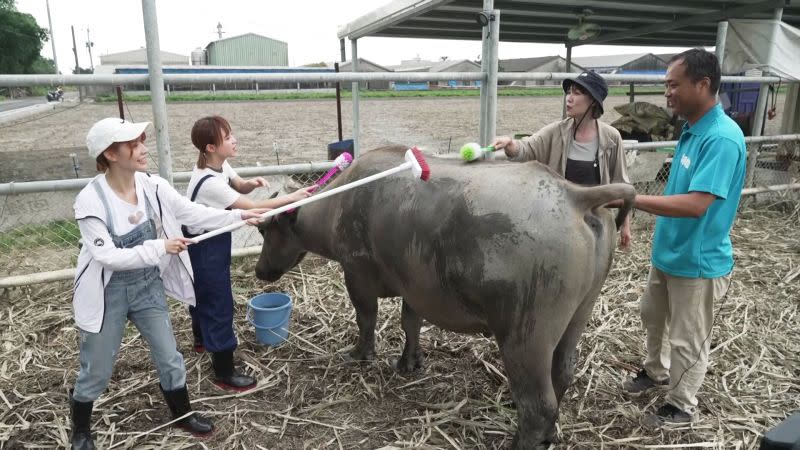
{"points": [[549, 144]]}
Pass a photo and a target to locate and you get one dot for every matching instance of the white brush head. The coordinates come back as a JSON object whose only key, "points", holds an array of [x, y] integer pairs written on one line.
{"points": [[471, 151], [419, 167], [343, 161], [416, 169]]}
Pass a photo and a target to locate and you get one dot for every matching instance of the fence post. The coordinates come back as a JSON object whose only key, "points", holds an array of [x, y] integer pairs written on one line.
{"points": [[157, 89], [761, 109], [355, 95]]}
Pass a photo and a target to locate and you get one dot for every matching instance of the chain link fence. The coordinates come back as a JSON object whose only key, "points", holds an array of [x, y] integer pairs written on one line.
{"points": [[38, 234]]}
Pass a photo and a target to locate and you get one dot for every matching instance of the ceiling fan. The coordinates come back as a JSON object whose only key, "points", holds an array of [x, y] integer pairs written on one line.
{"points": [[584, 30]]}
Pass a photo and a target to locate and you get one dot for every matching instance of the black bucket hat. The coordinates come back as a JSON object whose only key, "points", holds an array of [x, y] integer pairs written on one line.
{"points": [[593, 83]]}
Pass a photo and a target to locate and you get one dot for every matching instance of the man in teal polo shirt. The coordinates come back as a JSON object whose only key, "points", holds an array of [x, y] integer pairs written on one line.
{"points": [[692, 254]]}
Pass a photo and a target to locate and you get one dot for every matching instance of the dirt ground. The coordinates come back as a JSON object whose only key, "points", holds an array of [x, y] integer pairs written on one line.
{"points": [[309, 396], [39, 149]]}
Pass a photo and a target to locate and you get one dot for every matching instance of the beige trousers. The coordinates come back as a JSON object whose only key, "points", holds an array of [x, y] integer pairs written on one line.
{"points": [[677, 314]]}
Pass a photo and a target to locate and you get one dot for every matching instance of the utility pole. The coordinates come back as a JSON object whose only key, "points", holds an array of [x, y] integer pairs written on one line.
{"points": [[89, 45], [52, 37], [75, 51], [77, 66], [219, 29]]}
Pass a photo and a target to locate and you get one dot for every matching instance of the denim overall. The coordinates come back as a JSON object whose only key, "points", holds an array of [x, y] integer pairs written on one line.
{"points": [[212, 317], [138, 295]]}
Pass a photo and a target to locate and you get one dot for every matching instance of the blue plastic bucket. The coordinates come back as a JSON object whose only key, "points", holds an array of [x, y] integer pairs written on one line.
{"points": [[269, 313]]}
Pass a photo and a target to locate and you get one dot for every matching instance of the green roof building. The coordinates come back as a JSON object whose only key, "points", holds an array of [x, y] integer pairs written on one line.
{"points": [[248, 50]]}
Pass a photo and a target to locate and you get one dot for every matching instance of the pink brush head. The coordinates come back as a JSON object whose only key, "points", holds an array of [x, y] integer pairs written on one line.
{"points": [[419, 166], [343, 161]]}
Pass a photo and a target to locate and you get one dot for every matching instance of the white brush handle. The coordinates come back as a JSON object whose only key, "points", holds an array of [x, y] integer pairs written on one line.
{"points": [[274, 212]]}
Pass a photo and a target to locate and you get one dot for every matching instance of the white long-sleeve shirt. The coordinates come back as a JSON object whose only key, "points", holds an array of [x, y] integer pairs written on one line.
{"points": [[99, 258]]}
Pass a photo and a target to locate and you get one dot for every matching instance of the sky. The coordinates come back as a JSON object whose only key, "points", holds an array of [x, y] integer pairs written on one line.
{"points": [[308, 26]]}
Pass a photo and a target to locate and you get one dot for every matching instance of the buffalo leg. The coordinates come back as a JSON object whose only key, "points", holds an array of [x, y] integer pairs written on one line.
{"points": [[563, 371], [411, 359], [564, 355], [364, 298], [528, 359]]}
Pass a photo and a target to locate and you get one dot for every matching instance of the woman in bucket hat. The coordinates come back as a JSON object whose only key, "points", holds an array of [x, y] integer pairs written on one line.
{"points": [[581, 148], [132, 254]]}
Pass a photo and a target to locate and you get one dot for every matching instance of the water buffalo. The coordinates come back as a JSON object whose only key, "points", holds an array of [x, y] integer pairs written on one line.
{"points": [[501, 248]]}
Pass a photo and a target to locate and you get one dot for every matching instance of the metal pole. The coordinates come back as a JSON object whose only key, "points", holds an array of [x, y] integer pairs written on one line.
{"points": [[354, 93], [491, 81], [338, 104], [52, 36], [157, 88], [719, 48], [722, 35], [761, 108], [488, 6], [567, 69], [119, 102], [631, 94], [484, 93]]}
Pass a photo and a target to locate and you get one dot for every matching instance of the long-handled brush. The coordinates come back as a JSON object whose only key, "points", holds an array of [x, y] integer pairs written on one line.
{"points": [[341, 162], [415, 162], [473, 151]]}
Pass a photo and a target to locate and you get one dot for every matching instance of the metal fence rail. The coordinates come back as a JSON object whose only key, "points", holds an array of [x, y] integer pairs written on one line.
{"points": [[42, 245], [342, 77], [39, 241]]}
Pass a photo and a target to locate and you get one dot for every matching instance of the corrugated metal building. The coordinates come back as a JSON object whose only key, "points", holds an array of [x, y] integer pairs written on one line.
{"points": [[248, 50], [139, 56], [553, 63], [240, 85], [449, 65], [639, 63], [364, 65]]}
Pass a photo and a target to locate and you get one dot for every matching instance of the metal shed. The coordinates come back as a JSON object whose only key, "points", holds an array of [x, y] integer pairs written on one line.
{"points": [[248, 49], [640, 63], [139, 56], [680, 23], [367, 66], [554, 63]]}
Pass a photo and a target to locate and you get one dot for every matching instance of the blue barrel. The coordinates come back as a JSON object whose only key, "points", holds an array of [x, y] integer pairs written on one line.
{"points": [[269, 313], [337, 148]]}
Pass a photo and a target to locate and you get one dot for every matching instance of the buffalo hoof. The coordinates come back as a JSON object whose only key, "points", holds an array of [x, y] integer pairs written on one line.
{"points": [[409, 364], [552, 437], [520, 444], [358, 355]]}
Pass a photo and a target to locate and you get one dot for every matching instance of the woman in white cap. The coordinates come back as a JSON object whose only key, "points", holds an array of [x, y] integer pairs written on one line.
{"points": [[581, 148], [132, 253]]}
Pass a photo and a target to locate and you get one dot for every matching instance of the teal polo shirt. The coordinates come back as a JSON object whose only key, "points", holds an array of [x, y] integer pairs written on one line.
{"points": [[710, 157]]}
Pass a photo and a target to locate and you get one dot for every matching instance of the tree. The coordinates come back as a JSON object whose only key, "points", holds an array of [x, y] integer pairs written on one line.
{"points": [[43, 66], [21, 39]]}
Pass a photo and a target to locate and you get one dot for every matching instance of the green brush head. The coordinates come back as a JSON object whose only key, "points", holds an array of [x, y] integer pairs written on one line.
{"points": [[471, 152]]}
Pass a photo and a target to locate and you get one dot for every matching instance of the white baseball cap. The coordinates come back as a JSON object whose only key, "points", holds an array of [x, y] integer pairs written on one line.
{"points": [[111, 130]]}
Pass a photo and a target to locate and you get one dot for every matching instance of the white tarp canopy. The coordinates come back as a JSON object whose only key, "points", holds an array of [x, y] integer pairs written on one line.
{"points": [[768, 45]]}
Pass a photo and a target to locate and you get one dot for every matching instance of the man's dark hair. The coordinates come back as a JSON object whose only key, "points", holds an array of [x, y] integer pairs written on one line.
{"points": [[700, 64]]}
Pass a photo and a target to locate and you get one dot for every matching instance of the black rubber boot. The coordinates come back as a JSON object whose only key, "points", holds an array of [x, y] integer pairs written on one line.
{"points": [[226, 376], [198, 337], [81, 413], [178, 403]]}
